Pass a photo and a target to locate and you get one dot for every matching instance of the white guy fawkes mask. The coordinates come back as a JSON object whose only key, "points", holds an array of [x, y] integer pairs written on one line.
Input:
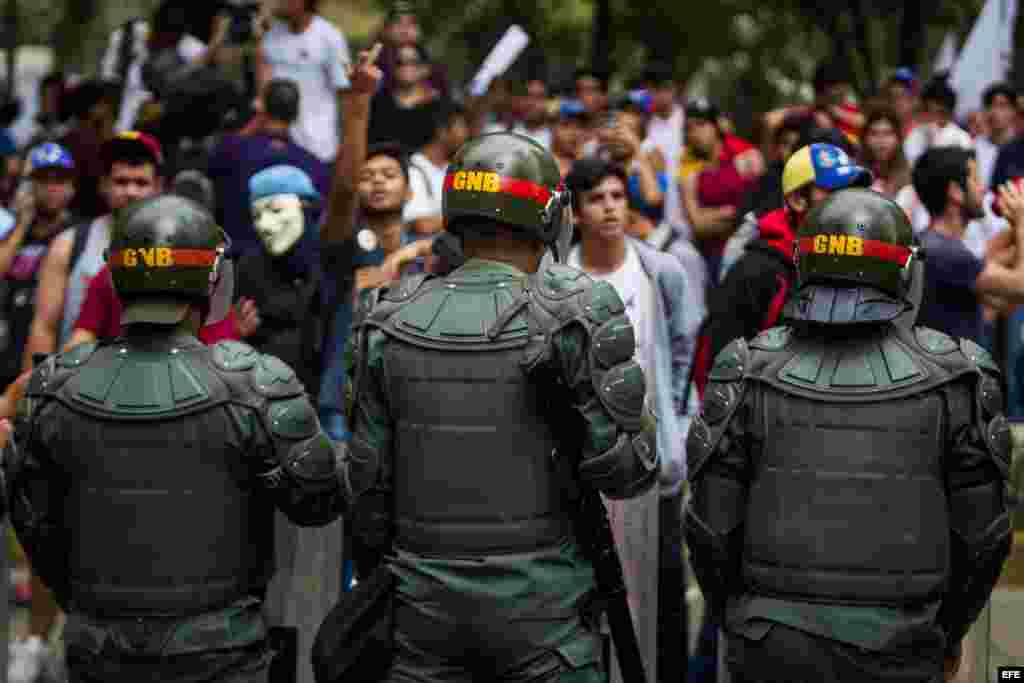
{"points": [[279, 222]]}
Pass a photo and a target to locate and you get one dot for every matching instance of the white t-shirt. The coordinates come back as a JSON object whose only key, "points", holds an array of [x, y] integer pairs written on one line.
{"points": [[315, 59], [637, 293], [924, 137], [985, 152], [668, 136], [427, 184]]}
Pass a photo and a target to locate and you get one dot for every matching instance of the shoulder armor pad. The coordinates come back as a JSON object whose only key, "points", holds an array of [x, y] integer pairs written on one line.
{"points": [[979, 356], [293, 418], [404, 288], [934, 341], [378, 305], [234, 356], [772, 339], [77, 355], [457, 313], [565, 294], [273, 379], [125, 384], [603, 303], [558, 281], [731, 362]]}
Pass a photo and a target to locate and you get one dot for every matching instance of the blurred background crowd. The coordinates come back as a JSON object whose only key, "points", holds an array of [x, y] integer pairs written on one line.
{"points": [[703, 132]]}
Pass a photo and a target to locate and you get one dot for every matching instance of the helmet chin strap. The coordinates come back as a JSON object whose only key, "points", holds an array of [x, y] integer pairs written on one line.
{"points": [[915, 292], [561, 221]]}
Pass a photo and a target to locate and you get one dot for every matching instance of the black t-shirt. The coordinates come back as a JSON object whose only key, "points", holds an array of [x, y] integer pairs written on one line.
{"points": [[412, 128], [950, 303], [1009, 162]]}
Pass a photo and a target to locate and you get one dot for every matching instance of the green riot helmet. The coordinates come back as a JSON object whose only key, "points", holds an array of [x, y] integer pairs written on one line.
{"points": [[511, 179], [856, 261], [165, 253]]}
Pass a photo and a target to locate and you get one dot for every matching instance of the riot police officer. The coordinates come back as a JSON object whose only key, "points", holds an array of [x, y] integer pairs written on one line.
{"points": [[467, 387], [144, 472], [848, 473]]}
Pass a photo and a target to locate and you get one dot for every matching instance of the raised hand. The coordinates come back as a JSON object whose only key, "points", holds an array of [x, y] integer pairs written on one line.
{"points": [[365, 76]]}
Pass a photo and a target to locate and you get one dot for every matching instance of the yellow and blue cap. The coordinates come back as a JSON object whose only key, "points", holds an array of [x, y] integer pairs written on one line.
{"points": [[824, 165]]}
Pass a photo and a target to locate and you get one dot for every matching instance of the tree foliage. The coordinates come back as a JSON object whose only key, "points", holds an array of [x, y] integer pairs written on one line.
{"points": [[750, 54]]}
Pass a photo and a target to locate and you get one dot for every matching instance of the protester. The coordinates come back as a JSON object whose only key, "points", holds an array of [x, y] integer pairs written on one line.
{"points": [[665, 316], [94, 106], [883, 152], [958, 282], [362, 226], [938, 129], [406, 113], [568, 134], [282, 277], [427, 170], [1000, 100], [269, 142], [712, 195], [303, 47], [132, 170], [42, 213], [901, 91]]}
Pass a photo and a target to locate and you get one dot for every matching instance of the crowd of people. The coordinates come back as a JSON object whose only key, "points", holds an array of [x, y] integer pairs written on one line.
{"points": [[328, 178]]}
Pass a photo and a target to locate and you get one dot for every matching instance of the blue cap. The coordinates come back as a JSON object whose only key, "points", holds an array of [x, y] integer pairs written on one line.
{"points": [[282, 179], [569, 109], [906, 76], [49, 155], [824, 165]]}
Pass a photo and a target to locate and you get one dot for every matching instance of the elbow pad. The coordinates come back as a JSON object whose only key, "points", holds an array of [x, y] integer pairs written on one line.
{"points": [[625, 470], [359, 466], [312, 464]]}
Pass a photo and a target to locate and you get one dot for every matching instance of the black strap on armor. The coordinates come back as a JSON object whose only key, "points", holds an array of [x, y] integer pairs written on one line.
{"points": [[594, 533]]}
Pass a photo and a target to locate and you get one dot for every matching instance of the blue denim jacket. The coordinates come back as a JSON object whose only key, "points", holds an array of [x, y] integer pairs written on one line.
{"points": [[679, 310]]}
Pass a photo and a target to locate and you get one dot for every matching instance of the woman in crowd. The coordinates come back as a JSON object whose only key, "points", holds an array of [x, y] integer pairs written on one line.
{"points": [[883, 152]]}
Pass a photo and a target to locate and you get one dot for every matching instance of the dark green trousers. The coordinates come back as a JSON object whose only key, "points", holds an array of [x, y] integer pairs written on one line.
{"points": [[243, 665]]}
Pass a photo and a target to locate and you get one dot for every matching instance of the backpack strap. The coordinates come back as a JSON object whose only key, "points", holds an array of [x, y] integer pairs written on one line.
{"points": [[80, 240]]}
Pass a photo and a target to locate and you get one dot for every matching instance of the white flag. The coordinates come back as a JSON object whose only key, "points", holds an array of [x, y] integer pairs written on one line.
{"points": [[986, 56], [946, 58]]}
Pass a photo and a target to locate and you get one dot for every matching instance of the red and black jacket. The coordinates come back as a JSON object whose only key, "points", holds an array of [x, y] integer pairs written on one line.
{"points": [[751, 297]]}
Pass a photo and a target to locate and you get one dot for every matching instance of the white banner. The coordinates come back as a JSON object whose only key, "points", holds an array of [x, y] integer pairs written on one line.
{"points": [[986, 56], [500, 59], [946, 58]]}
